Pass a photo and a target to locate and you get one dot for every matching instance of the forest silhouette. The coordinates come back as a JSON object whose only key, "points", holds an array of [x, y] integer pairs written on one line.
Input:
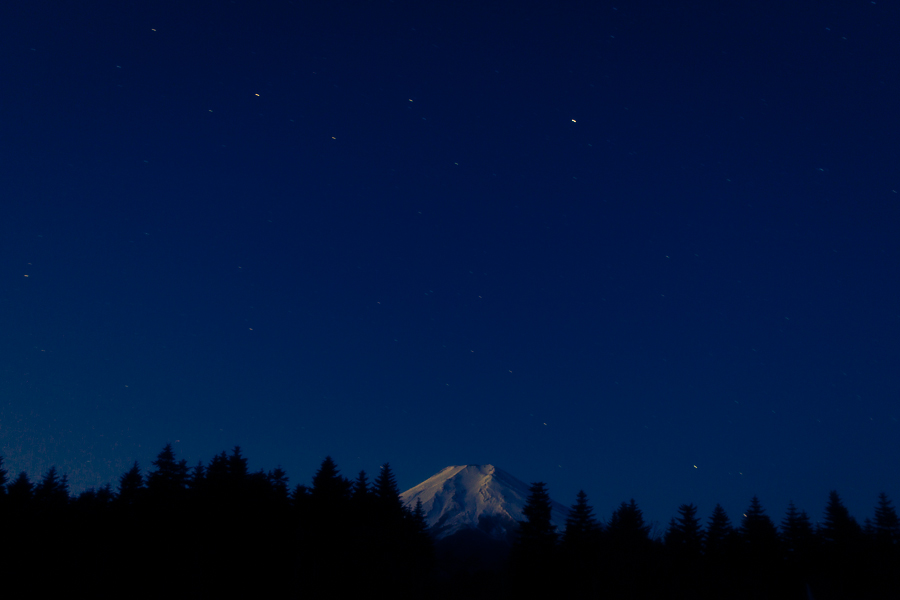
{"points": [[217, 528]]}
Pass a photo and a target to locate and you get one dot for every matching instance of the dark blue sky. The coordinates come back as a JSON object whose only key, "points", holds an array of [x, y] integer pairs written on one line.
{"points": [[643, 249]]}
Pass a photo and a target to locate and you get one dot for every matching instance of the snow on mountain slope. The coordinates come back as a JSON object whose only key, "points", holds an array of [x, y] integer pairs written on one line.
{"points": [[479, 497]]}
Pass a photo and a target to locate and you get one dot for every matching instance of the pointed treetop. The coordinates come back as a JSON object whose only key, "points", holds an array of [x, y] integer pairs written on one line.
{"points": [[627, 523], [838, 526], [887, 525], [582, 530], [131, 485], [237, 465], [328, 485], [537, 535], [21, 489], [361, 487], [385, 490]]}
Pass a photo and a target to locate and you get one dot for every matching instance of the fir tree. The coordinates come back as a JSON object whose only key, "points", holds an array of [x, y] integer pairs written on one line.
{"points": [[537, 534], [886, 528], [684, 534], [758, 531], [131, 486], [329, 487], [237, 466], [105, 495], [52, 491], [533, 553], [626, 528], [20, 491], [797, 533], [170, 477], [419, 523], [278, 482], [197, 478], [361, 488], [718, 532], [385, 490], [421, 547], [838, 527], [582, 532]]}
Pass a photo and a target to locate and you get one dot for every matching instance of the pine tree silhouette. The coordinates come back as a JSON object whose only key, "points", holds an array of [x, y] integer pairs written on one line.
{"points": [[237, 467], [328, 486], [719, 532], [420, 524], [797, 533], [758, 532], [582, 534], [278, 482], [536, 532], [20, 491], [53, 491], [886, 526], [580, 549], [131, 486], [387, 494], [685, 535], [361, 488], [626, 528], [533, 554], [838, 528], [169, 480]]}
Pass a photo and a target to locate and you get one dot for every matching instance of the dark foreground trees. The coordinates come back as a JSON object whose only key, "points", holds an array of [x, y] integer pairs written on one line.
{"points": [[219, 529], [214, 530]]}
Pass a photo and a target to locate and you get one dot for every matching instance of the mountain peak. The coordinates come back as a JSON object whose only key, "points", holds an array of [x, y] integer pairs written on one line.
{"points": [[480, 497]]}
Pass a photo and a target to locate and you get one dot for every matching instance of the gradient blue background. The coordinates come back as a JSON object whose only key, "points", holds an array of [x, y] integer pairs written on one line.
{"points": [[595, 244]]}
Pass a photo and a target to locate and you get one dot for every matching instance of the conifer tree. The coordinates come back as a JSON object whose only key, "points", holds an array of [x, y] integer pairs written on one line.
{"points": [[237, 466], [52, 491], [328, 486], [796, 533], [580, 550], [582, 532], [216, 477], [533, 553], [197, 478], [387, 494], [887, 526], [626, 527], [758, 531], [685, 535], [170, 477], [421, 546], [131, 486], [718, 532], [361, 488], [838, 527], [420, 524], [105, 495], [537, 535], [20, 492], [278, 482]]}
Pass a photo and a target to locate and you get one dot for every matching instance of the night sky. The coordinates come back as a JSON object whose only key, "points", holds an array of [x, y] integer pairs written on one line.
{"points": [[647, 249]]}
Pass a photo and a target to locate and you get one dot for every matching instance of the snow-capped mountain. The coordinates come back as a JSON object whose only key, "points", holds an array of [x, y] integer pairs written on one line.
{"points": [[480, 497]]}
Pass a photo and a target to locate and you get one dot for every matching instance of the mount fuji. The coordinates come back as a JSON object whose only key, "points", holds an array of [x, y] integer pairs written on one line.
{"points": [[478, 499]]}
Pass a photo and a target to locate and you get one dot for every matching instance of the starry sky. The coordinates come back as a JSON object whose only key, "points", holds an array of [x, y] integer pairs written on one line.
{"points": [[644, 248]]}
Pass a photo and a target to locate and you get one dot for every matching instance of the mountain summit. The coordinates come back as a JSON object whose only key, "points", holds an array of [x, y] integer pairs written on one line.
{"points": [[475, 497]]}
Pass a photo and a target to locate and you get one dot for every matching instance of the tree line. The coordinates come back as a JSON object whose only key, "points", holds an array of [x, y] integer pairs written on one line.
{"points": [[837, 558], [217, 528]]}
